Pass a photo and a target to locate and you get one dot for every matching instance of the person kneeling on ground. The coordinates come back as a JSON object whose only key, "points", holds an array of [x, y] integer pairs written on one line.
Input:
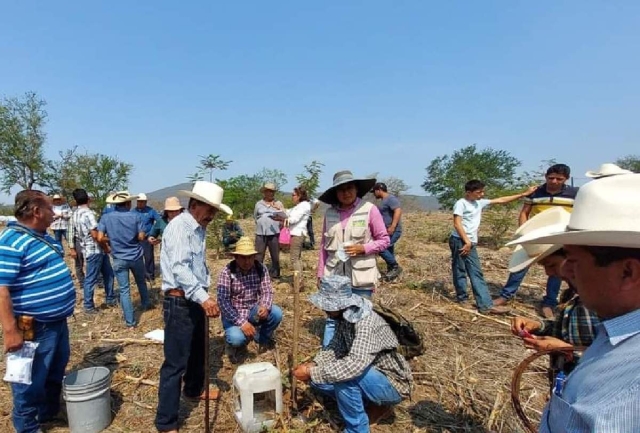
{"points": [[231, 233], [245, 296], [361, 367]]}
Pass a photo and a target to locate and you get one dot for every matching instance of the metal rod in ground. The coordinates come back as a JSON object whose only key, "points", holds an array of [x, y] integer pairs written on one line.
{"points": [[296, 335], [207, 428]]}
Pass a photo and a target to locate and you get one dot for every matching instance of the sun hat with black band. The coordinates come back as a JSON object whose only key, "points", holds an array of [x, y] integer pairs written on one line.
{"points": [[363, 186]]}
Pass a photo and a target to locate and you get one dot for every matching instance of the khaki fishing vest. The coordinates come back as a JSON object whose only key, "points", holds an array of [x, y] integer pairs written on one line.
{"points": [[361, 269]]}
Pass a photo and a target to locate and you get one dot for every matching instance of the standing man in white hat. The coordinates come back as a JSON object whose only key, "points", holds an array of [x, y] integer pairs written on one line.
{"points": [[61, 216], [267, 228], [149, 216], [185, 284], [602, 245]]}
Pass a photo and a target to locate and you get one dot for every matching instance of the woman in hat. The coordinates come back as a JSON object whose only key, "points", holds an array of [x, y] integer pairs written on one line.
{"points": [[267, 228], [172, 208], [353, 234]]}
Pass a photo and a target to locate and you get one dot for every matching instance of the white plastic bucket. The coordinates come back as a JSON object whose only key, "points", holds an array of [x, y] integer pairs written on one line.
{"points": [[87, 393]]}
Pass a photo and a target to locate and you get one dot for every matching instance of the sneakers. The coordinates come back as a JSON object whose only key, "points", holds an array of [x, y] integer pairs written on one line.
{"points": [[393, 273]]}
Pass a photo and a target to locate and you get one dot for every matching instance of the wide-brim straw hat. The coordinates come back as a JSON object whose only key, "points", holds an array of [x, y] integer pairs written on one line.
{"points": [[245, 247], [605, 214], [605, 170], [120, 197], [340, 178], [172, 203], [335, 294], [209, 193], [269, 186], [549, 221]]}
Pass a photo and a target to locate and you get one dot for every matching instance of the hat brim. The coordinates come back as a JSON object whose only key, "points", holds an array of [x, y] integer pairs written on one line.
{"points": [[595, 238], [362, 185], [223, 207], [327, 304], [263, 189], [597, 174], [521, 260], [173, 208], [121, 200], [244, 253]]}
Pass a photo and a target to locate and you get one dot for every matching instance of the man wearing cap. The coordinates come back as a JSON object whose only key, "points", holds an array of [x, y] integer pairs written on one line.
{"points": [[245, 296], [267, 228], [353, 233], [185, 285], [149, 216], [61, 216], [231, 233], [602, 246], [172, 208], [391, 215], [121, 232], [361, 367]]}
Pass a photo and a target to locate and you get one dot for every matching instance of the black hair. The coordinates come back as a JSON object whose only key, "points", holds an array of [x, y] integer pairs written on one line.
{"points": [[561, 169], [604, 256], [473, 185], [26, 201], [80, 196]]}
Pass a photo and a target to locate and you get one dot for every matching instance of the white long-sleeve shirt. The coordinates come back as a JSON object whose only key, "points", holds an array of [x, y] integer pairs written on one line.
{"points": [[298, 216]]}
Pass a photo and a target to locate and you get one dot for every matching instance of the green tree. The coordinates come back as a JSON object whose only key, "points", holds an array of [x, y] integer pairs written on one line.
{"points": [[275, 176], [310, 179], [395, 186], [212, 162], [241, 193], [629, 162], [447, 174], [22, 138]]}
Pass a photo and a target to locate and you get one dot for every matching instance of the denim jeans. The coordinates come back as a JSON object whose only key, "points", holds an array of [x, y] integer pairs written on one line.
{"points": [[515, 279], [351, 395], [184, 334], [121, 269], [461, 266], [236, 338], [40, 401], [149, 259], [79, 262], [388, 255], [98, 264], [330, 324], [312, 239], [58, 234]]}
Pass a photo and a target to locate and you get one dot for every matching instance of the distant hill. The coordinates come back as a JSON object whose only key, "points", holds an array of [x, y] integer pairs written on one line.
{"points": [[409, 202]]}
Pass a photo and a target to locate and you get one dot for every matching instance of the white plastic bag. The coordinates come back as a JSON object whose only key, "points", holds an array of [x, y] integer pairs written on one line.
{"points": [[20, 363]]}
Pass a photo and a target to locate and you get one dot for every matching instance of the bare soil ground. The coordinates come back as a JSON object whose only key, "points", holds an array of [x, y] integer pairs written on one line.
{"points": [[462, 381]]}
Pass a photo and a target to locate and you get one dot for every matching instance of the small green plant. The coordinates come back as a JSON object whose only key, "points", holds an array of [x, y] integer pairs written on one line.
{"points": [[500, 224]]}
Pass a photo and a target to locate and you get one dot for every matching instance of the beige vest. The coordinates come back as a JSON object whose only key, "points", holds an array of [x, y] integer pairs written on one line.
{"points": [[361, 269]]}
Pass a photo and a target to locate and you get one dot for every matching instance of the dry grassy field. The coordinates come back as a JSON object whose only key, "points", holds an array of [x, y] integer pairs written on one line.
{"points": [[462, 382]]}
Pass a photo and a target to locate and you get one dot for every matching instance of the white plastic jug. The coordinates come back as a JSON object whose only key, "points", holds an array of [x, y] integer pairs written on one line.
{"points": [[257, 392]]}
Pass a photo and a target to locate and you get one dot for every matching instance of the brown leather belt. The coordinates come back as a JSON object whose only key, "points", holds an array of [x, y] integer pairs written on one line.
{"points": [[179, 293]]}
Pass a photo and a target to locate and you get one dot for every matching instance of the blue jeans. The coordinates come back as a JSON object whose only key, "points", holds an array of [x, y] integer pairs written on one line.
{"points": [[388, 255], [58, 234], [40, 401], [236, 338], [461, 266], [330, 324], [351, 395], [183, 366], [121, 269], [98, 264], [515, 279]]}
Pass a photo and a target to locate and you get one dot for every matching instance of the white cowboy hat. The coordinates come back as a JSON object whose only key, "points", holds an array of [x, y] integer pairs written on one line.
{"points": [[209, 193], [120, 197], [142, 197], [607, 169], [550, 221], [605, 214], [363, 186]]}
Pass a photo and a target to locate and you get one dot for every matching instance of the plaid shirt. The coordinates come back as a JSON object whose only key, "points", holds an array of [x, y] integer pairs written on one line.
{"points": [[238, 293], [355, 347], [575, 324], [83, 220]]}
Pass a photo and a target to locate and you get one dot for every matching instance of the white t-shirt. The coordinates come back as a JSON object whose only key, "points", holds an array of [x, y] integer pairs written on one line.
{"points": [[471, 213]]}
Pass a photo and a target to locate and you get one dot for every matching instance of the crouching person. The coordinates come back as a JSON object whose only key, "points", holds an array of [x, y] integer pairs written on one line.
{"points": [[361, 367], [245, 296]]}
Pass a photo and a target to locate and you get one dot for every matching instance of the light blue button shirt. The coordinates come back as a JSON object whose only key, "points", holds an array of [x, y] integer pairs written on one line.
{"points": [[603, 393]]}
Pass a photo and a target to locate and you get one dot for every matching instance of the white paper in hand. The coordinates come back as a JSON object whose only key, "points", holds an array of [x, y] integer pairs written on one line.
{"points": [[20, 363]]}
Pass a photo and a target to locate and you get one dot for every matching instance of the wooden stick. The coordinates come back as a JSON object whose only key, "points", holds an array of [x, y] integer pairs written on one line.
{"points": [[140, 380], [484, 316], [207, 427], [296, 336]]}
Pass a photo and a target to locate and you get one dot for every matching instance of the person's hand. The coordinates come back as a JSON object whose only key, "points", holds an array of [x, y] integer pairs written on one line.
{"points": [[263, 313], [390, 230], [106, 248], [466, 249], [354, 250], [530, 190], [12, 339], [519, 324], [545, 343], [210, 308], [248, 330], [153, 240], [73, 253], [303, 371]]}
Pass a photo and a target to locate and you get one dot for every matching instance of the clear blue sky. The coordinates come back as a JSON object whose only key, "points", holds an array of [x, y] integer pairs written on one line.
{"points": [[367, 85]]}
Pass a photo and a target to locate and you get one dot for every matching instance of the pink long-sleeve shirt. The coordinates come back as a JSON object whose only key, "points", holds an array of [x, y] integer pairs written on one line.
{"points": [[379, 237]]}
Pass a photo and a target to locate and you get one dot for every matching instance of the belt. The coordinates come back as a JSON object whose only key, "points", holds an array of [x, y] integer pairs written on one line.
{"points": [[178, 293]]}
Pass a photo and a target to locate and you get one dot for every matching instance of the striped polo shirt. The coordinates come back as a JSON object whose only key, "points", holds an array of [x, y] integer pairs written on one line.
{"points": [[38, 279], [541, 200]]}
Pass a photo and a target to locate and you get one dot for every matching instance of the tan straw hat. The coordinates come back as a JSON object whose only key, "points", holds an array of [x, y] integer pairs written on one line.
{"points": [[270, 186], [120, 197], [245, 247], [172, 203]]}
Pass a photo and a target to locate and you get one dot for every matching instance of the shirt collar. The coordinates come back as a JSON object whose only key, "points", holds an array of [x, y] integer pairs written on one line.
{"points": [[622, 327]]}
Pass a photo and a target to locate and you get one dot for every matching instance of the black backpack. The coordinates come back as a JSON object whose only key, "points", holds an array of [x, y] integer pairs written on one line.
{"points": [[410, 341]]}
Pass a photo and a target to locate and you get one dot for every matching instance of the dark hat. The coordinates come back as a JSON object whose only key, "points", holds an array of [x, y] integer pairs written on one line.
{"points": [[340, 178], [379, 186]]}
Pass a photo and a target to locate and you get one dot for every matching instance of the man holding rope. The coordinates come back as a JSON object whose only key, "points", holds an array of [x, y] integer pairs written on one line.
{"points": [[185, 284], [602, 246]]}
